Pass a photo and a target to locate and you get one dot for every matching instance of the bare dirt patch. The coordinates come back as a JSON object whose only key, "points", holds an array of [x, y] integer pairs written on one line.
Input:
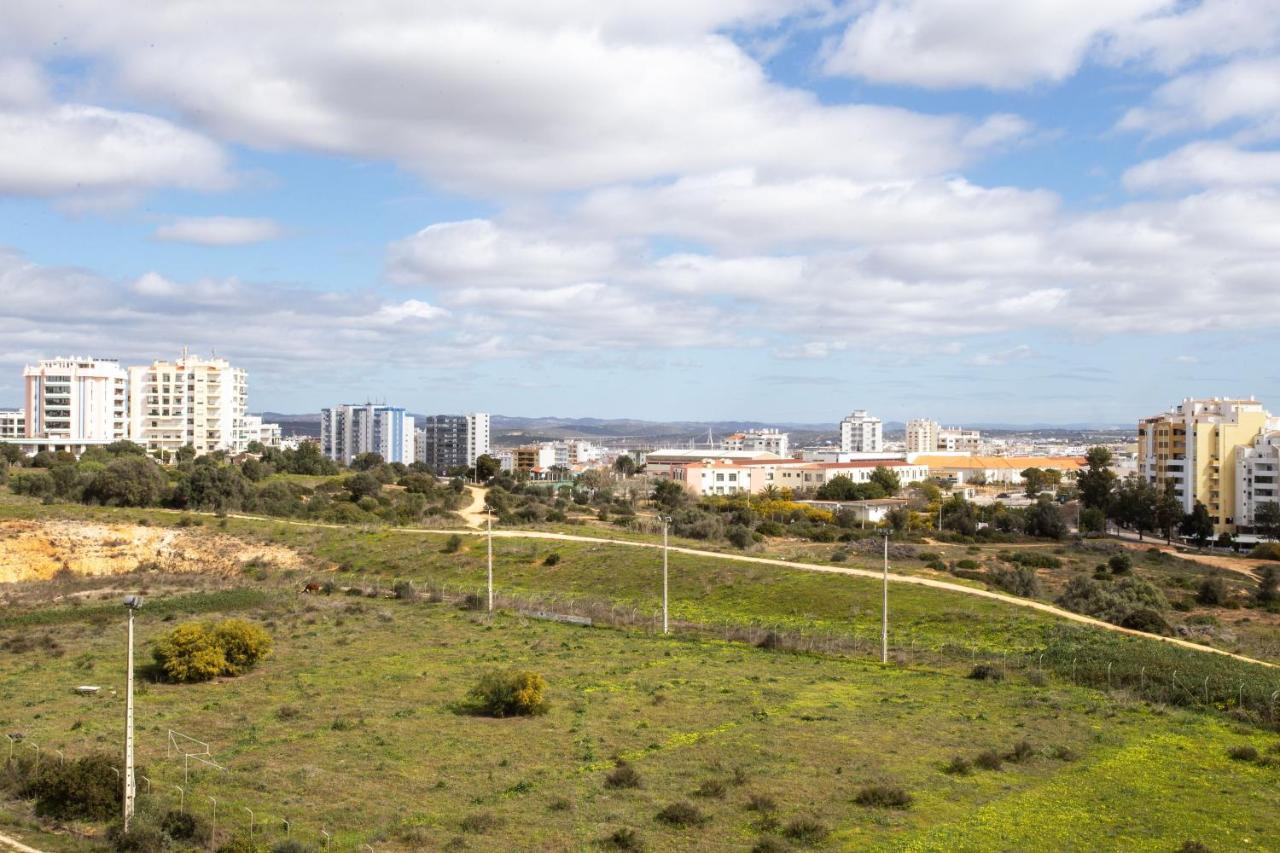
{"points": [[40, 550]]}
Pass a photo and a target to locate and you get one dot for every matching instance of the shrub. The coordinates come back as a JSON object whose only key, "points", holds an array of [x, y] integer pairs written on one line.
{"points": [[769, 845], [509, 693], [1064, 753], [760, 803], [184, 826], [453, 544], [968, 564], [481, 822], [550, 560], [988, 759], [1017, 580], [739, 536], [883, 796], [681, 813], [959, 766], [405, 591], [1034, 559], [622, 776], [1212, 592], [199, 651], [806, 830], [1192, 846], [1120, 564], [1244, 752], [623, 838], [986, 672], [1266, 551], [474, 601], [1022, 751], [1112, 601], [290, 845], [141, 838], [711, 788], [84, 789]]}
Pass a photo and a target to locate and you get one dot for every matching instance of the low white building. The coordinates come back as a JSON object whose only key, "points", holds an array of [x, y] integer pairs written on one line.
{"points": [[866, 512], [1257, 477], [12, 424]]}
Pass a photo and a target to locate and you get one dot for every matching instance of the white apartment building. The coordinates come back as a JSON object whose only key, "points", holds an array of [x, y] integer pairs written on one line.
{"points": [[268, 435], [1257, 476], [347, 431], [477, 436], [926, 436], [956, 440], [13, 424], [189, 401], [861, 433], [768, 440], [76, 400]]}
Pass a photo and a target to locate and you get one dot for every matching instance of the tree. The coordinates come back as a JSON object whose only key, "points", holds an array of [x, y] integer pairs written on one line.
{"points": [[186, 453], [1093, 520], [887, 479], [208, 486], [1097, 482], [1198, 525], [487, 467], [1133, 504], [1044, 519], [625, 465], [11, 454], [958, 515], [669, 494], [367, 461], [1266, 519], [128, 481], [898, 518], [1268, 585], [1035, 481], [1168, 511], [363, 485]]}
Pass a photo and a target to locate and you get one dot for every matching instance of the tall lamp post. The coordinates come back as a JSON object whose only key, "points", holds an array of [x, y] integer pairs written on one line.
{"points": [[884, 612], [131, 603], [666, 520], [489, 521]]}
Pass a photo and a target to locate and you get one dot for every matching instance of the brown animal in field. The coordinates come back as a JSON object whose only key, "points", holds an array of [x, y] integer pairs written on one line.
{"points": [[311, 588]]}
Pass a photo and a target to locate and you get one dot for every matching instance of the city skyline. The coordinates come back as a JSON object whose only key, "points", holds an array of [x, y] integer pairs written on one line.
{"points": [[733, 210]]}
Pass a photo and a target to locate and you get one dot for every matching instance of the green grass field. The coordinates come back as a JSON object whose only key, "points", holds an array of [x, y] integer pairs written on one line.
{"points": [[352, 724]]}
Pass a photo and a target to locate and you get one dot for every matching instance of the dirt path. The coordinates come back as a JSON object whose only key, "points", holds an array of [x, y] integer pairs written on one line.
{"points": [[473, 514], [1240, 565], [814, 567], [15, 844]]}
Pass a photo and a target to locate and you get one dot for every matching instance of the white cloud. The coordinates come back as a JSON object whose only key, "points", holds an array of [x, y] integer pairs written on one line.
{"points": [[949, 44], [74, 149], [1244, 90], [1186, 32], [219, 230], [1206, 164], [1003, 357]]}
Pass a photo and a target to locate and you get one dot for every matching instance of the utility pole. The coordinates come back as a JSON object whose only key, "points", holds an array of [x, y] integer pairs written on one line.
{"points": [[666, 520], [884, 612], [131, 603], [490, 524]]}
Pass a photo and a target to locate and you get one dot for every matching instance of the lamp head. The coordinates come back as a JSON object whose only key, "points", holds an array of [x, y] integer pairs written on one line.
{"points": [[133, 602]]}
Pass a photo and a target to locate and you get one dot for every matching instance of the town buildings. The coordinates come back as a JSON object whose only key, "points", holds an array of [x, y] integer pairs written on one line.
{"points": [[446, 442], [861, 433], [266, 434], [767, 440], [1257, 477], [13, 424], [926, 436], [76, 400], [189, 402], [348, 430], [1202, 448], [724, 472], [992, 470]]}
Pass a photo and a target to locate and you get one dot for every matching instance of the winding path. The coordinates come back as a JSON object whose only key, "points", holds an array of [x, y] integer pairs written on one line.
{"points": [[15, 844]]}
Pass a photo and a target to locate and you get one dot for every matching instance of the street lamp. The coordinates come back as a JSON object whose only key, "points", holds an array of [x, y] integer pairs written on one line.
{"points": [[131, 603], [884, 612], [489, 522], [666, 520]]}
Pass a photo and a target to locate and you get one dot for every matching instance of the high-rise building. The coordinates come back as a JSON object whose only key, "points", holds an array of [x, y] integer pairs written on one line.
{"points": [[956, 440], [1197, 447], [266, 434], [191, 401], [13, 424], [347, 431], [446, 442], [1257, 477], [861, 433], [766, 440], [922, 435], [76, 399]]}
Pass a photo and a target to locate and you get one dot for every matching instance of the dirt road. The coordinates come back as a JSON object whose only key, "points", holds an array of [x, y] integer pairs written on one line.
{"points": [[15, 844], [473, 514]]}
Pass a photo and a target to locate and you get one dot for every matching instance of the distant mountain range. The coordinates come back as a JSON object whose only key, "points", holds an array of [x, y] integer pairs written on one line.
{"points": [[507, 429]]}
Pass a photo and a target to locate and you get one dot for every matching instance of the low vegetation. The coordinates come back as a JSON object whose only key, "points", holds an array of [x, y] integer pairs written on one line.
{"points": [[508, 693], [200, 651]]}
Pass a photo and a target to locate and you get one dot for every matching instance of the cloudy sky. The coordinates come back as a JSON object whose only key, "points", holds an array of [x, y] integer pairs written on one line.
{"points": [[978, 210]]}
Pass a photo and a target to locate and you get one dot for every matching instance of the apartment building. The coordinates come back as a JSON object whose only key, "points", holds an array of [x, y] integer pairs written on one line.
{"points": [[74, 400], [1197, 446], [446, 442], [268, 435], [767, 440], [861, 433], [993, 470], [190, 401], [348, 430], [926, 436], [1257, 477], [13, 424], [718, 474]]}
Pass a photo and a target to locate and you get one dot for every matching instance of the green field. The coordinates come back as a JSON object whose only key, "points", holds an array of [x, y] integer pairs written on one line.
{"points": [[353, 725]]}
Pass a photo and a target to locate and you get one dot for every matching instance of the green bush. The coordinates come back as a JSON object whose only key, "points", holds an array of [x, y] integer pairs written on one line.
{"points": [[1017, 580], [184, 826], [551, 559], [481, 822], [986, 672], [199, 651], [959, 766], [989, 759], [1035, 559], [453, 544], [681, 814], [883, 796], [1120, 564], [1266, 551], [509, 693], [1244, 752], [1022, 751], [623, 838], [1212, 592], [84, 789], [760, 803], [404, 590], [968, 564], [141, 838], [622, 776], [806, 830]]}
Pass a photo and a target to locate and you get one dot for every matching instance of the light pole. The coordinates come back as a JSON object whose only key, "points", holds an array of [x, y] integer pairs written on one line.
{"points": [[213, 823], [489, 521], [666, 520], [131, 603], [884, 612]]}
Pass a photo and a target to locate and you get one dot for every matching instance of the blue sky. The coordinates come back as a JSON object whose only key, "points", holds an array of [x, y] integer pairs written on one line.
{"points": [[971, 210]]}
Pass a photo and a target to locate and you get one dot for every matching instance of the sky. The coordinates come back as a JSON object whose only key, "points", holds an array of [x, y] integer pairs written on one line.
{"points": [[1044, 211]]}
